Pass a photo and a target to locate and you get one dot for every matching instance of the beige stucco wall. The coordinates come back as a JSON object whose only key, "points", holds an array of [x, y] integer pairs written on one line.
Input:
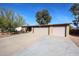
{"points": [[67, 31]]}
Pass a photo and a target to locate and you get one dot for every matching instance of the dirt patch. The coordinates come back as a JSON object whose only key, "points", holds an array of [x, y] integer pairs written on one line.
{"points": [[75, 39], [2, 35]]}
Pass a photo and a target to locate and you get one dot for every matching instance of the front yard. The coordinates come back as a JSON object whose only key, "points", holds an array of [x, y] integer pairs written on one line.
{"points": [[33, 44]]}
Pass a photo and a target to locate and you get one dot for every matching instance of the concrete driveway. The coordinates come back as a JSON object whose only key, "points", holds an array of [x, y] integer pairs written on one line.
{"points": [[33, 45]]}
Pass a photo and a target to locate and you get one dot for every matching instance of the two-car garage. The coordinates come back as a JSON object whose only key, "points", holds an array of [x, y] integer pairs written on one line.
{"points": [[54, 30]]}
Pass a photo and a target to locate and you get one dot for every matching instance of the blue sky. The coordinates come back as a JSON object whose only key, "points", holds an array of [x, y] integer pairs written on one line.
{"points": [[59, 11]]}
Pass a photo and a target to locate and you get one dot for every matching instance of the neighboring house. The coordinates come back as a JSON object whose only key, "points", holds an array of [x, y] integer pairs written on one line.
{"points": [[54, 29], [18, 29]]}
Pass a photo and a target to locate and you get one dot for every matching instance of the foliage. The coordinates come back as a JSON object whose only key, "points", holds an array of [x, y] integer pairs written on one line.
{"points": [[43, 17], [74, 7], [9, 20], [19, 21], [75, 11]]}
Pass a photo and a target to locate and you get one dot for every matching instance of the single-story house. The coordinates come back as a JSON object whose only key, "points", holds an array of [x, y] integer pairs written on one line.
{"points": [[53, 29]]}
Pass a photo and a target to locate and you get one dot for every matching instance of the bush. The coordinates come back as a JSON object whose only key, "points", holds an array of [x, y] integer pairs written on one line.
{"points": [[73, 31], [9, 21]]}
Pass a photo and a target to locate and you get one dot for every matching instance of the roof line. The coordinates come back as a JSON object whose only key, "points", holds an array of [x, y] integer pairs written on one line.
{"points": [[46, 25]]}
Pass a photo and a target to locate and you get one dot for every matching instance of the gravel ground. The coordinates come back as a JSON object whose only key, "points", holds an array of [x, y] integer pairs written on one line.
{"points": [[34, 45]]}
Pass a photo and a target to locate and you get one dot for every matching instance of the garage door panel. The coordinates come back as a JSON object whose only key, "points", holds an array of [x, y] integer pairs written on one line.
{"points": [[54, 31], [41, 31], [59, 31]]}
